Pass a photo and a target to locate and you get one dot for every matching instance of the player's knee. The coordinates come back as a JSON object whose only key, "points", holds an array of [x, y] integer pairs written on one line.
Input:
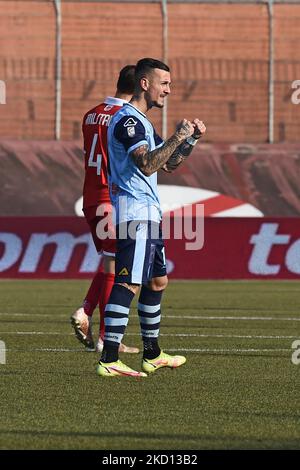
{"points": [[159, 283], [132, 287]]}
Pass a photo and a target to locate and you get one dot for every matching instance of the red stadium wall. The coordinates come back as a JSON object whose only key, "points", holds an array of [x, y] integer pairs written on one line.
{"points": [[55, 248], [218, 55], [46, 178]]}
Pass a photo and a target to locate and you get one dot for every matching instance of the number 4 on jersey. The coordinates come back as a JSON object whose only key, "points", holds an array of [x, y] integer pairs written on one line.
{"points": [[91, 162]]}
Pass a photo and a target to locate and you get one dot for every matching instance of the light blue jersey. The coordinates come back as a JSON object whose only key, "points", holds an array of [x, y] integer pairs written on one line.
{"points": [[133, 194]]}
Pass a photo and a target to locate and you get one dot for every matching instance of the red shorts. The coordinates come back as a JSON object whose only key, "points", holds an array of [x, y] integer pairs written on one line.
{"points": [[107, 245]]}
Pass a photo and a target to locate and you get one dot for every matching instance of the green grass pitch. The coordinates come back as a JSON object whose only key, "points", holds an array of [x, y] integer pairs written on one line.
{"points": [[238, 390]]}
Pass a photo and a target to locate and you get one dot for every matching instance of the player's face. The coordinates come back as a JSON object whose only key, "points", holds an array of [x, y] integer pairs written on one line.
{"points": [[159, 87]]}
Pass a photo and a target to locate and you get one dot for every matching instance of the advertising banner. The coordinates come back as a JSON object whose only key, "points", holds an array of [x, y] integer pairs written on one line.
{"points": [[227, 248]]}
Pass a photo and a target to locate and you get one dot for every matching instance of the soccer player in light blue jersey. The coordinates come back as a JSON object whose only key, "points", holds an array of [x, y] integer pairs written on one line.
{"points": [[136, 153]]}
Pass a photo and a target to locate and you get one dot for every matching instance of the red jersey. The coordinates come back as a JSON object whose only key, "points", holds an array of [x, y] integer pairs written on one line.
{"points": [[94, 128]]}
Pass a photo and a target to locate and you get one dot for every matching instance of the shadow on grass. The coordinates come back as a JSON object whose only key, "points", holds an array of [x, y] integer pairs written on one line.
{"points": [[127, 434], [231, 442]]}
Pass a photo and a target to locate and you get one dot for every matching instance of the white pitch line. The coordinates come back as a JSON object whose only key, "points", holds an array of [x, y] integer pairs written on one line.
{"points": [[189, 317], [33, 314], [23, 333], [221, 350], [229, 350], [232, 318], [202, 335], [180, 335], [54, 350], [17, 314]]}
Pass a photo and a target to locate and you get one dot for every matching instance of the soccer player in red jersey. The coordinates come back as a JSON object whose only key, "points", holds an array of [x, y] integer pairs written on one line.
{"points": [[96, 194]]}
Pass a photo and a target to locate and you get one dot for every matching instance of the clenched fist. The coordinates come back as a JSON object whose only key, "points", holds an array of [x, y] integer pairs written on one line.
{"points": [[199, 128], [185, 129]]}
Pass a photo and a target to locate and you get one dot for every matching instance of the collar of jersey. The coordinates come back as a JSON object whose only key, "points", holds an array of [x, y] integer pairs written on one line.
{"points": [[129, 104], [114, 101]]}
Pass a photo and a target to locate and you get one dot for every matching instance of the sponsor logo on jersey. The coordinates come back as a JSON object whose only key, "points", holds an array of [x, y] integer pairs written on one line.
{"points": [[123, 272], [130, 122], [131, 131]]}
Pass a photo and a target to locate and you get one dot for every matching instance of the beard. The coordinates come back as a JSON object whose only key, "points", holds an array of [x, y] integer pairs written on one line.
{"points": [[156, 104]]}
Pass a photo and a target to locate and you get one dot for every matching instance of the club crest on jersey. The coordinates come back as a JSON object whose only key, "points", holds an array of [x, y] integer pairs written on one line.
{"points": [[130, 122], [131, 131]]}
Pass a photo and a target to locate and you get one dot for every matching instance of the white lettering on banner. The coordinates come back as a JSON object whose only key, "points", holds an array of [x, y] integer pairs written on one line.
{"points": [[263, 243], [12, 250], [22, 253], [65, 243], [292, 259]]}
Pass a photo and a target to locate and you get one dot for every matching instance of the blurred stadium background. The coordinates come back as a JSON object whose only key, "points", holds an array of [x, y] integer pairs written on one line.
{"points": [[236, 65], [220, 54]]}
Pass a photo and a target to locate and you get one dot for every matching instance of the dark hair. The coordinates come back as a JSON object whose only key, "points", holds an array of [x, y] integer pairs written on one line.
{"points": [[144, 66], [126, 80]]}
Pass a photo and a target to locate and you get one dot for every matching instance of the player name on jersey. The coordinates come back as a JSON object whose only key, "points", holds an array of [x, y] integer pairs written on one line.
{"points": [[100, 119]]}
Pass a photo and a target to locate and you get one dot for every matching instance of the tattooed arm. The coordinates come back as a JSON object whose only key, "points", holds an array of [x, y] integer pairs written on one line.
{"points": [[185, 148], [150, 162], [178, 156]]}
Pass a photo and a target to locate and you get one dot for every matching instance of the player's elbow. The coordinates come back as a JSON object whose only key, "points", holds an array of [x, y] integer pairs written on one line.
{"points": [[146, 171]]}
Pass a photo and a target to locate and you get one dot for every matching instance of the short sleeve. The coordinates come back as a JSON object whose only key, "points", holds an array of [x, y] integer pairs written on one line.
{"points": [[157, 139], [131, 132]]}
